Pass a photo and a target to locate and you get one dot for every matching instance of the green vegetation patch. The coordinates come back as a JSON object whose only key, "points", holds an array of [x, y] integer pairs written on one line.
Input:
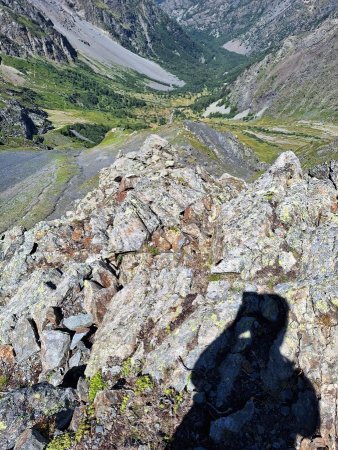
{"points": [[96, 384], [89, 134], [62, 442]]}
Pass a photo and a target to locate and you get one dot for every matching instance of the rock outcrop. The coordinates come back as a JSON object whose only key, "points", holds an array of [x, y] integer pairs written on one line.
{"points": [[236, 157], [18, 121], [156, 311]]}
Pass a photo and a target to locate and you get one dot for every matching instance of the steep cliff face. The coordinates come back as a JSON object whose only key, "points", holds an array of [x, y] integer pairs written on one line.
{"points": [[25, 31], [173, 290], [257, 24], [297, 80]]}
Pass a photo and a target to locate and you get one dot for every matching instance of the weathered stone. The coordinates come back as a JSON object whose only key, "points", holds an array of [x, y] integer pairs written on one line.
{"points": [[54, 349], [7, 354], [23, 408], [97, 299], [104, 402], [25, 340], [31, 440]]}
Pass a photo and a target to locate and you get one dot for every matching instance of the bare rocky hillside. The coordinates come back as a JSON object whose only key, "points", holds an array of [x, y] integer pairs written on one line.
{"points": [[175, 310], [298, 79]]}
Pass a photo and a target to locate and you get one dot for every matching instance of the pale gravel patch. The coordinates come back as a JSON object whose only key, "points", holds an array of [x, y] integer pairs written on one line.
{"points": [[214, 108], [236, 46]]}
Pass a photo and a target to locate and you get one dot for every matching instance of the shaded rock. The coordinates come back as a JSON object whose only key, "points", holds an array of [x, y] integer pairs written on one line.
{"points": [[233, 423]]}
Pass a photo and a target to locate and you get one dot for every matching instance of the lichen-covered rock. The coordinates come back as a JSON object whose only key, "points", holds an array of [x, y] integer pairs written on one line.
{"points": [[27, 407], [31, 440], [165, 281]]}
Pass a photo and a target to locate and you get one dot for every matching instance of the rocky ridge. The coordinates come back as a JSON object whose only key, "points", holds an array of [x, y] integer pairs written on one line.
{"points": [[106, 313]]}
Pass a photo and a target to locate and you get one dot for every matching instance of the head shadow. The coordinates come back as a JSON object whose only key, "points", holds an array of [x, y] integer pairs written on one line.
{"points": [[247, 394]]}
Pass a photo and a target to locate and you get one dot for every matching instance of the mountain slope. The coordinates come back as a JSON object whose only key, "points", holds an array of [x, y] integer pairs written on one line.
{"points": [[25, 31], [140, 26], [256, 24], [96, 45], [296, 80], [143, 28]]}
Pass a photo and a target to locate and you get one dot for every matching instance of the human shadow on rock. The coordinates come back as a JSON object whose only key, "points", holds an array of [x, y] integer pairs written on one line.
{"points": [[248, 396]]}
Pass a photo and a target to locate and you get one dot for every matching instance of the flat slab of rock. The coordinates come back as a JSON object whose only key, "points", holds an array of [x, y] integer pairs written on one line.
{"points": [[78, 321], [24, 340]]}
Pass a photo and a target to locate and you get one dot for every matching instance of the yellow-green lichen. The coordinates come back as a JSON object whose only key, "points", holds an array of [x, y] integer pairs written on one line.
{"points": [[215, 277], [96, 384], [3, 381], [126, 368], [176, 398], [124, 403], [62, 442], [143, 384], [83, 429]]}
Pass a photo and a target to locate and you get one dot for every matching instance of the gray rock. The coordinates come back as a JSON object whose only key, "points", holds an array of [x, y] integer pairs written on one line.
{"points": [[31, 440], [79, 321], [23, 408], [24, 340], [54, 349], [77, 338]]}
